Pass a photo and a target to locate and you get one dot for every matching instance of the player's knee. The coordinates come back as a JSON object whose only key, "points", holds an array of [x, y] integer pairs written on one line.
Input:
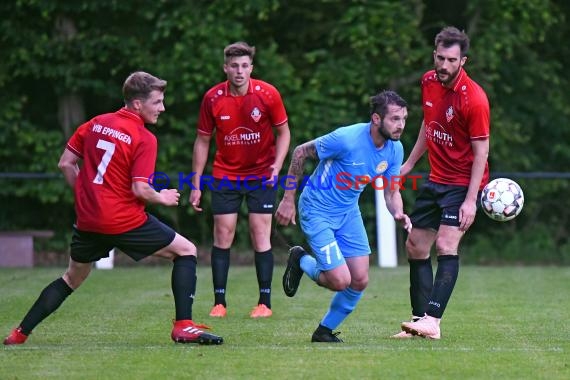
{"points": [[74, 279], [338, 284], [445, 246], [223, 236], [187, 248], [359, 283], [179, 247], [412, 248]]}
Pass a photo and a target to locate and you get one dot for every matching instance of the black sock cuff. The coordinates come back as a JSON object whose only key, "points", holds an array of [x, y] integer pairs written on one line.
{"points": [[62, 286], [186, 259], [220, 251], [268, 252], [447, 257], [419, 261]]}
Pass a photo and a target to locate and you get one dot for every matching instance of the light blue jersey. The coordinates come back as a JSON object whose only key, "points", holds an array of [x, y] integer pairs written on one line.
{"points": [[348, 160], [328, 206]]}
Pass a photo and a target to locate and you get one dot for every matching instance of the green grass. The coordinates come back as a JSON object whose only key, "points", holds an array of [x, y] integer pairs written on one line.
{"points": [[502, 323]]}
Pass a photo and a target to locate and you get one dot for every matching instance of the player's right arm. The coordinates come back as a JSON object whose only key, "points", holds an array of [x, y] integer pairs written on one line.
{"points": [[285, 213], [418, 151], [199, 159], [145, 192], [68, 165]]}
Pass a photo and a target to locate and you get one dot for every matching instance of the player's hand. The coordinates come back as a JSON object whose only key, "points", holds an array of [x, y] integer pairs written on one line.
{"points": [[405, 221], [273, 177], [286, 212], [170, 197], [195, 196], [467, 215]]}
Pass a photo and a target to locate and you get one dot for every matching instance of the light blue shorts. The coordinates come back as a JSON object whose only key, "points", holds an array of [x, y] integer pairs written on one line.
{"points": [[332, 238]]}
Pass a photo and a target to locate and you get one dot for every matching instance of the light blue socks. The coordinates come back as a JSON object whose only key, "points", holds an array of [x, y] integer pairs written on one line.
{"points": [[309, 266], [342, 304]]}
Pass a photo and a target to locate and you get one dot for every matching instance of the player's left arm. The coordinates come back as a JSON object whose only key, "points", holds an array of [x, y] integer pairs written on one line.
{"points": [[395, 204], [146, 193], [279, 120], [68, 165], [468, 209], [282, 142]]}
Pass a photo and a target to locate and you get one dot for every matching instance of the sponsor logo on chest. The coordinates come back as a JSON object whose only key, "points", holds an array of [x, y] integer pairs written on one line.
{"points": [[242, 136]]}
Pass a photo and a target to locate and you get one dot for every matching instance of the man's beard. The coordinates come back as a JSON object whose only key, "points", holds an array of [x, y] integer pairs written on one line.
{"points": [[450, 77], [385, 134]]}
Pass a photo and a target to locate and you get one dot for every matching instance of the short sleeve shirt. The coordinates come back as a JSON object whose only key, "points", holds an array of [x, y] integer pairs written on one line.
{"points": [[116, 150], [453, 118], [348, 161], [243, 128]]}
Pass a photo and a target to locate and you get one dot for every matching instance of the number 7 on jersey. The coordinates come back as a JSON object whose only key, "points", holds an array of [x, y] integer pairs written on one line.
{"points": [[109, 149]]}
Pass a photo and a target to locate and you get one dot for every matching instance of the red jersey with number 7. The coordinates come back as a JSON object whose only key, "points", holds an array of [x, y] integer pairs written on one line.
{"points": [[453, 118], [116, 150]]}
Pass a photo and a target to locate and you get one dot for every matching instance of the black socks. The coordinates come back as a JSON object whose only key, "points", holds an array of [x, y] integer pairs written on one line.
{"points": [[421, 284], [49, 300], [184, 285], [264, 270], [445, 278], [220, 261]]}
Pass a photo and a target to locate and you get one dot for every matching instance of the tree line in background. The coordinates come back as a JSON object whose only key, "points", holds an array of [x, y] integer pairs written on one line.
{"points": [[64, 62]]}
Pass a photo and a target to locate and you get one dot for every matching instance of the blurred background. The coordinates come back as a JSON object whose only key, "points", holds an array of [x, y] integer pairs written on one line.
{"points": [[64, 62]]}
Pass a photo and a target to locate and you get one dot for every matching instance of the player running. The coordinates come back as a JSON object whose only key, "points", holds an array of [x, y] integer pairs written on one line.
{"points": [[349, 158]]}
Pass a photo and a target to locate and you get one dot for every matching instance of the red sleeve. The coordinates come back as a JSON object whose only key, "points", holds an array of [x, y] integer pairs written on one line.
{"points": [[144, 159], [206, 122], [277, 111], [75, 143], [479, 121]]}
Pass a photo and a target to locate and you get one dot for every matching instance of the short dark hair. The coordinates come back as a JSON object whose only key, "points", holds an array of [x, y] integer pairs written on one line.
{"points": [[239, 49], [379, 103], [450, 36], [139, 85]]}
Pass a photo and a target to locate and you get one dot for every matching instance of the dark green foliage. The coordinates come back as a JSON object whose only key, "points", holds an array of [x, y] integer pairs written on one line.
{"points": [[64, 62]]}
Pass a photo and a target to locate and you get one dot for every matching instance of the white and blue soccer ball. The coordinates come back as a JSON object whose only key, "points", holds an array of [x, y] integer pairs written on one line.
{"points": [[502, 199]]}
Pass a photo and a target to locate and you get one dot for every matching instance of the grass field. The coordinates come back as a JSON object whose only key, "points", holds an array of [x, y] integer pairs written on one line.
{"points": [[502, 323]]}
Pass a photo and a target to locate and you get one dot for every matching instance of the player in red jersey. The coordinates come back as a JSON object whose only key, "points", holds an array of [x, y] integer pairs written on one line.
{"points": [[455, 133], [244, 114], [118, 156]]}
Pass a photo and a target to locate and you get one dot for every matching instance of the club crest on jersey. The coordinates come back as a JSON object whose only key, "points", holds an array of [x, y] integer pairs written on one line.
{"points": [[256, 114], [381, 167], [449, 114]]}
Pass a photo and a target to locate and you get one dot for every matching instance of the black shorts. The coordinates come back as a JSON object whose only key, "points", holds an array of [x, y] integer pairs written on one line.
{"points": [[138, 243], [228, 195], [438, 204]]}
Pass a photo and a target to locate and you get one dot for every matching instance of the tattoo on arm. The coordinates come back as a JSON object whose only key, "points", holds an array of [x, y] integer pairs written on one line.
{"points": [[300, 154]]}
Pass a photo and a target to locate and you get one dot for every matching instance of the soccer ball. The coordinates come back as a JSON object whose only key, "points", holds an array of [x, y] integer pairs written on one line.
{"points": [[502, 199]]}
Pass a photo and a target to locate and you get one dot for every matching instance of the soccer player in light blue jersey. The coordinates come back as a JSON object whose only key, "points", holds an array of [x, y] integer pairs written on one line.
{"points": [[349, 158]]}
